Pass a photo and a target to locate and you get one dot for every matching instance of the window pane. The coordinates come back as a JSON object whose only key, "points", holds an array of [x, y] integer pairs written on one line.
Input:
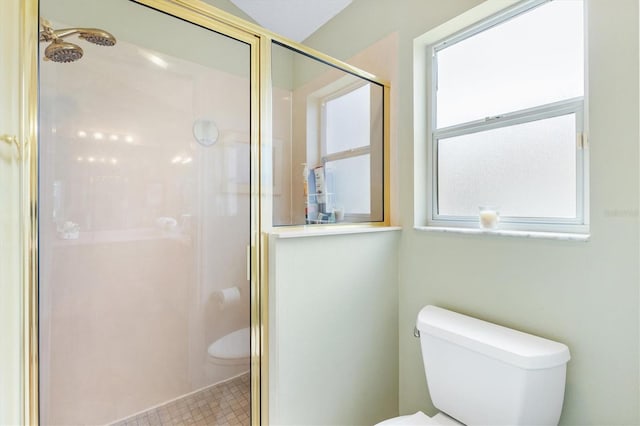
{"points": [[533, 59], [347, 120], [351, 184], [527, 170]]}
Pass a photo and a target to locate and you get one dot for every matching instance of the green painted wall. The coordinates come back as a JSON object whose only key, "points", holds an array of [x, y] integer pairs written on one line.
{"points": [[333, 325], [582, 294]]}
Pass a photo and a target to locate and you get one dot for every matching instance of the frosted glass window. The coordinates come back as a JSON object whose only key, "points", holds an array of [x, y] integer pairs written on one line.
{"points": [[535, 58], [347, 120], [508, 120], [528, 170], [352, 184]]}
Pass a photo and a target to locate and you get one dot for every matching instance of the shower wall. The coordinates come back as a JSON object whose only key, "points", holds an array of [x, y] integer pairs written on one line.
{"points": [[141, 226]]}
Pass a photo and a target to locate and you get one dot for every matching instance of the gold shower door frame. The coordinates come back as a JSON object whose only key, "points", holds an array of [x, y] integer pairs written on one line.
{"points": [[259, 39], [197, 13]]}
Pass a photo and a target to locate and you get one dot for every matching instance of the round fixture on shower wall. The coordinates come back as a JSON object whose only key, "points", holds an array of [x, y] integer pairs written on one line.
{"points": [[205, 131]]}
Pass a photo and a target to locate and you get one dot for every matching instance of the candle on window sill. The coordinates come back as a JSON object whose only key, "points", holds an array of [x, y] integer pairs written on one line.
{"points": [[489, 217]]}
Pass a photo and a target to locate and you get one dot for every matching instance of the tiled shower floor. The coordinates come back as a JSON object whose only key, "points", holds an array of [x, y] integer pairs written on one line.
{"points": [[223, 404]]}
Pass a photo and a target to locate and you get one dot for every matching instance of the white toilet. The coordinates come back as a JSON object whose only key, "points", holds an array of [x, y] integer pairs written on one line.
{"points": [[479, 373], [229, 356], [231, 349]]}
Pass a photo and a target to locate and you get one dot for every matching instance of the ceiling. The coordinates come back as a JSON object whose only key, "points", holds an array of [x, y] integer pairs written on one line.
{"points": [[294, 19]]}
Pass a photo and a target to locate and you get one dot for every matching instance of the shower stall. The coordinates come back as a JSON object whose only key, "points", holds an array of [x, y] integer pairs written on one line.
{"points": [[145, 218], [158, 144]]}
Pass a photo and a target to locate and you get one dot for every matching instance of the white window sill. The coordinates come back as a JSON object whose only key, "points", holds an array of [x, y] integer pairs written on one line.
{"points": [[507, 233], [320, 231]]}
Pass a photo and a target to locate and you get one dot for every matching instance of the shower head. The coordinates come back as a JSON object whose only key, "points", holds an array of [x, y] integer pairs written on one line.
{"points": [[61, 51], [96, 36]]}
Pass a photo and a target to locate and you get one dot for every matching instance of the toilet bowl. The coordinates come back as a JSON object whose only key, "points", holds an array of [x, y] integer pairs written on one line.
{"points": [[231, 349], [229, 356], [479, 373], [421, 419]]}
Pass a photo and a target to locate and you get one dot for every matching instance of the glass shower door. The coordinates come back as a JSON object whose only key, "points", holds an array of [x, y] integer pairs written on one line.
{"points": [[145, 219]]}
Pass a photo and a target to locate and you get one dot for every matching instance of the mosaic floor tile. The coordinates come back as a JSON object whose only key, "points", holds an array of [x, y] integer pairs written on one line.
{"points": [[224, 404]]}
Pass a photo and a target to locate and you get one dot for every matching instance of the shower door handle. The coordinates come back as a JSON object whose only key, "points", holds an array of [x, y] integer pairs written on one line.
{"points": [[248, 262]]}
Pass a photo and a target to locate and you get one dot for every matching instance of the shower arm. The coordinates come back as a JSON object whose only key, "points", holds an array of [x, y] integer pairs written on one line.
{"points": [[48, 34]]}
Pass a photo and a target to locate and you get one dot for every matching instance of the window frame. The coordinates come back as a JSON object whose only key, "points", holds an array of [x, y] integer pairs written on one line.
{"points": [[579, 224], [344, 154]]}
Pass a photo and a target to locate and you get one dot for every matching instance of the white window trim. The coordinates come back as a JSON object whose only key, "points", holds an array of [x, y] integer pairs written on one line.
{"points": [[580, 224], [488, 22]]}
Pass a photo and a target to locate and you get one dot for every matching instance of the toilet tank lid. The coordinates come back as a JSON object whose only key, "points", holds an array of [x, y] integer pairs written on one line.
{"points": [[511, 346]]}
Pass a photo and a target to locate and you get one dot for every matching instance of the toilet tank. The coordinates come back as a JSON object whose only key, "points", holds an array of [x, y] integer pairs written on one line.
{"points": [[484, 374]]}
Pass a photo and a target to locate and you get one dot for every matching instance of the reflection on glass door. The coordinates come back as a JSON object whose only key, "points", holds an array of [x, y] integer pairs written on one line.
{"points": [[328, 137], [144, 218]]}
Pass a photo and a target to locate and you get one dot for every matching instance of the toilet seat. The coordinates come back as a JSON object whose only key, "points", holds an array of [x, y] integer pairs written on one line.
{"points": [[234, 348], [421, 419]]}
